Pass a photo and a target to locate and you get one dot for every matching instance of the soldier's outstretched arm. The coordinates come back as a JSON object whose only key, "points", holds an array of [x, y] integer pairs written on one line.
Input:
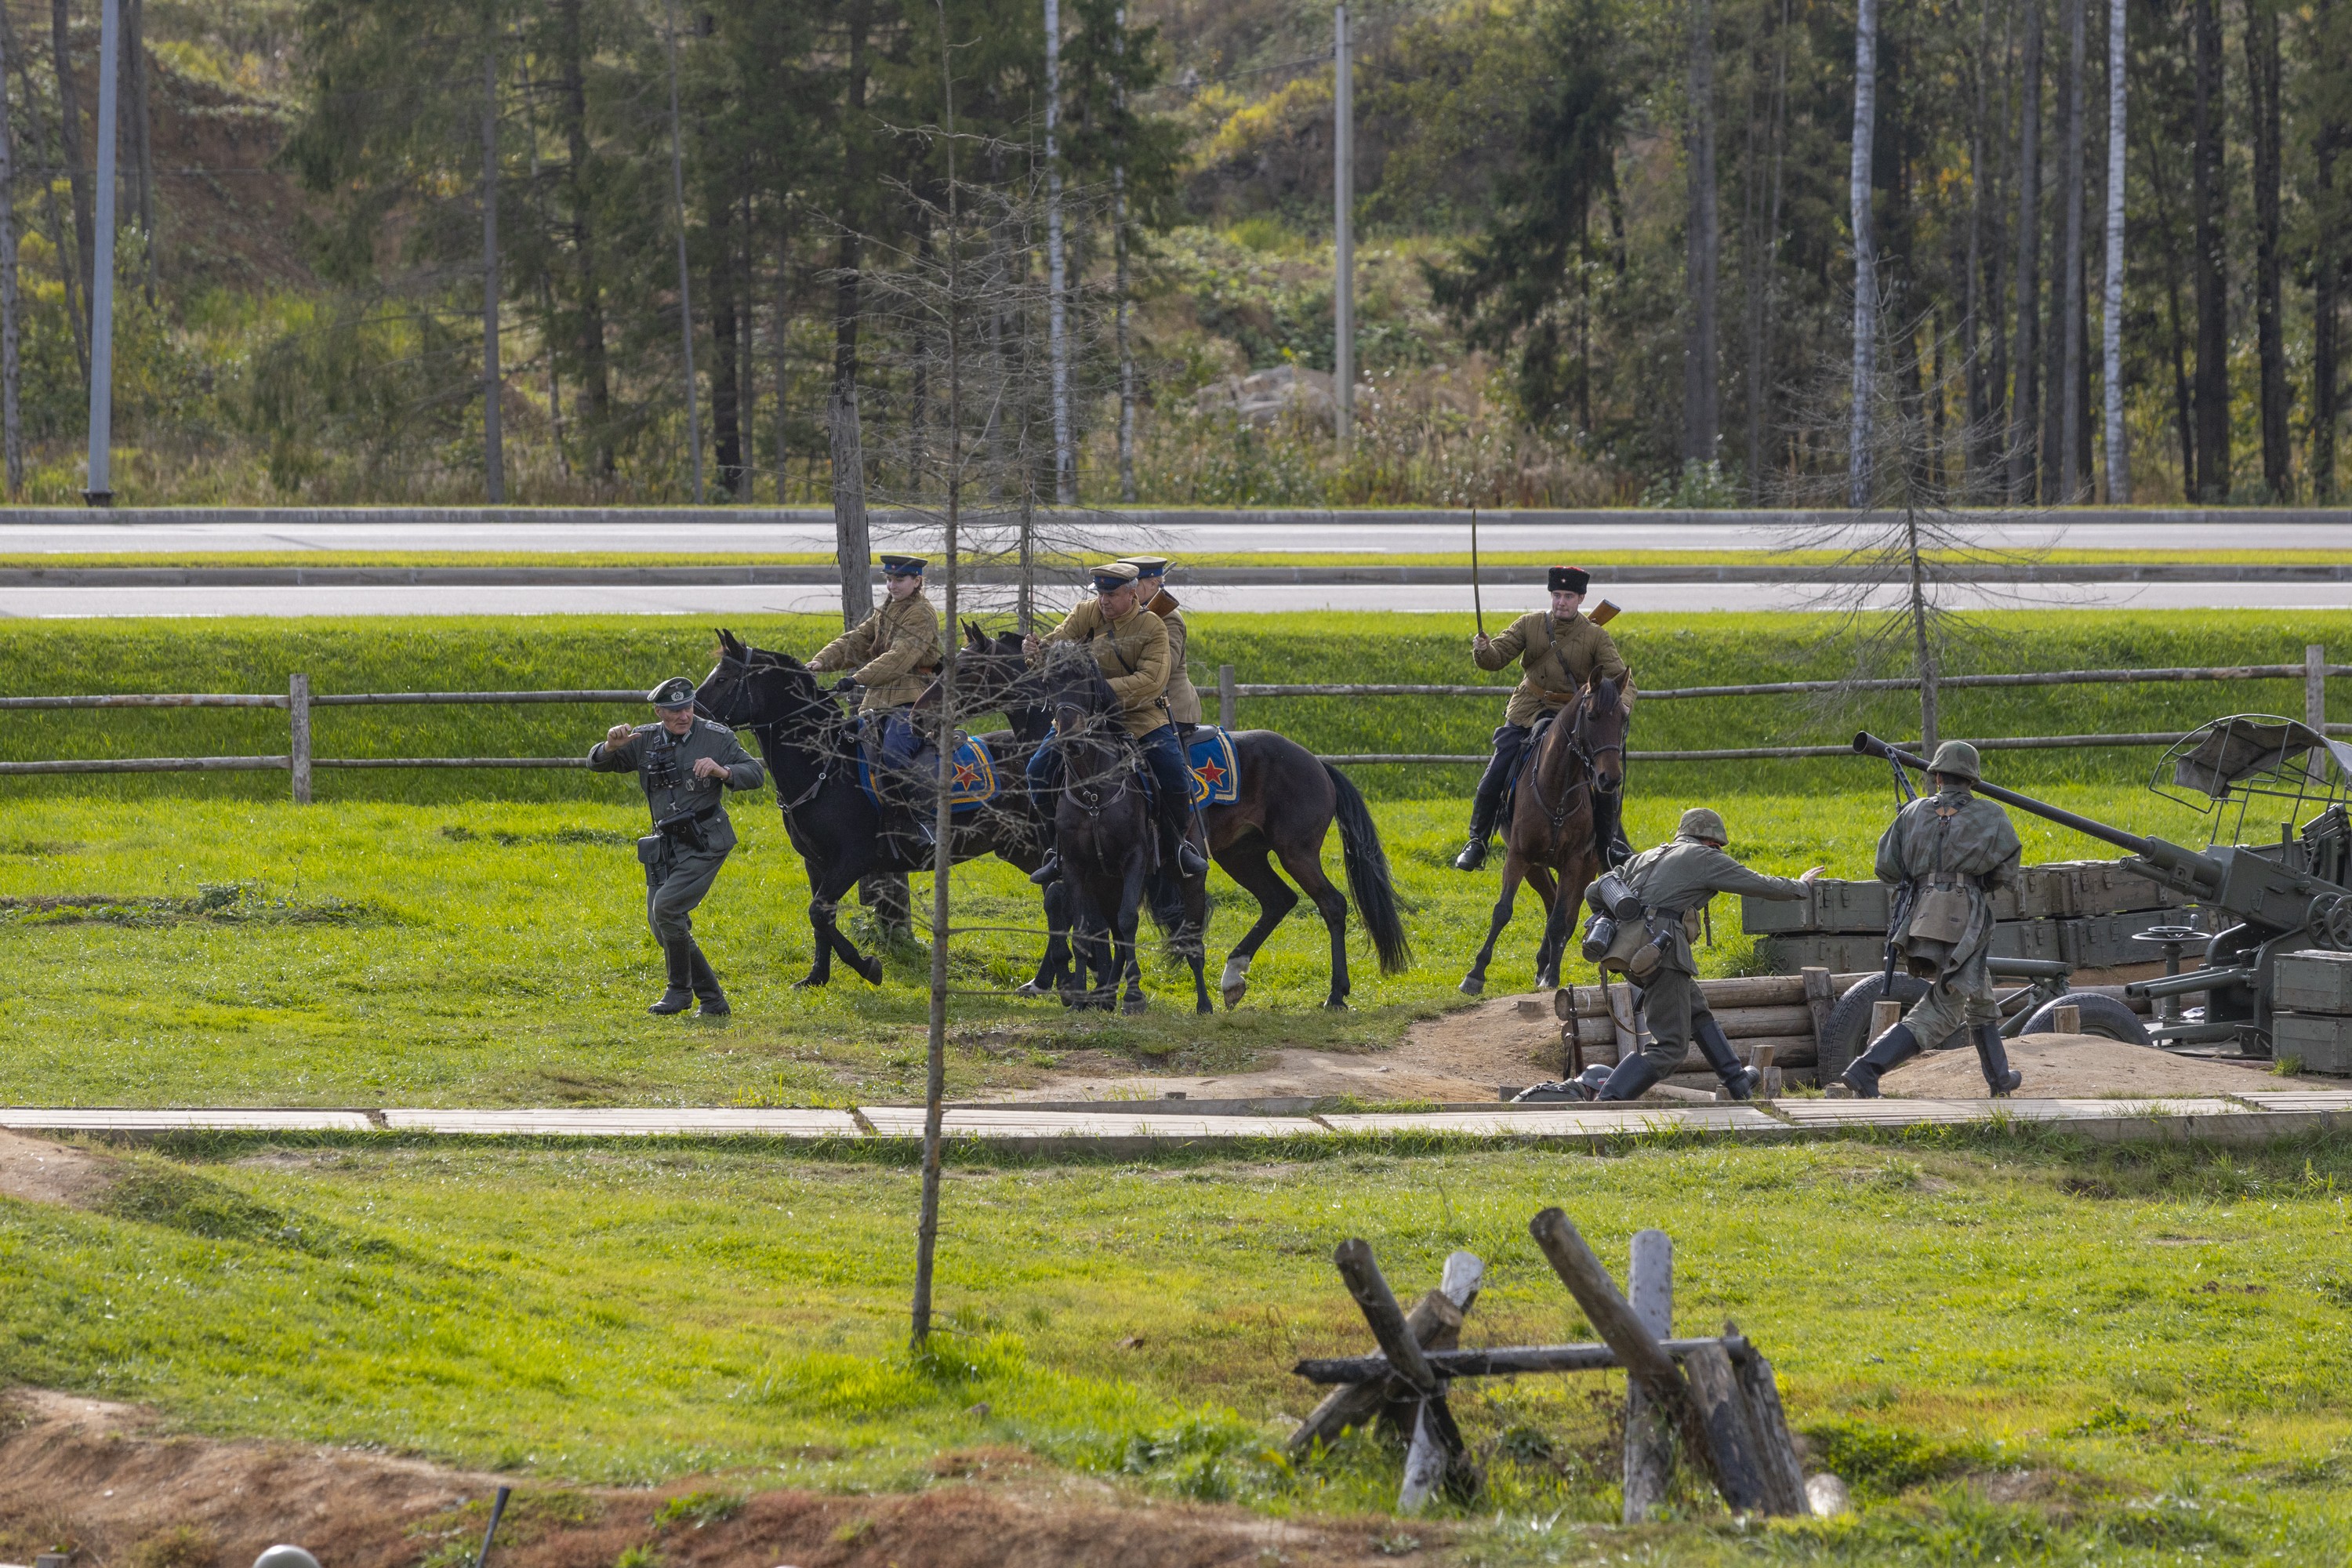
{"points": [[853, 647], [1501, 648], [610, 756], [1726, 875]]}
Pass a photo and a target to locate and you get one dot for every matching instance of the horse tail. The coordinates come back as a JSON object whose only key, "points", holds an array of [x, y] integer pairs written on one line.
{"points": [[1368, 875]]}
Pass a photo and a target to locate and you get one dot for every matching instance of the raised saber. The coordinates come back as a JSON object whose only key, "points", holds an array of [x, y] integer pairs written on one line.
{"points": [[1476, 605]]}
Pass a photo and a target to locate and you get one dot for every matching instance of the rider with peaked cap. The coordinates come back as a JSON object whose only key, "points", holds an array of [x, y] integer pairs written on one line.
{"points": [[893, 654], [1151, 593], [1130, 646], [1559, 651]]}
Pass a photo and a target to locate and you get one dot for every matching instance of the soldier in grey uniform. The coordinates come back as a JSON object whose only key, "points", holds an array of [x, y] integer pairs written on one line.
{"points": [[683, 763], [1951, 850], [1670, 881]]}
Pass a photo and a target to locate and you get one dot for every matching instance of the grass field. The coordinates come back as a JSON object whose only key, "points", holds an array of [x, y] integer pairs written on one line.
{"points": [[515, 653], [250, 953], [61, 560], [2017, 1350]]}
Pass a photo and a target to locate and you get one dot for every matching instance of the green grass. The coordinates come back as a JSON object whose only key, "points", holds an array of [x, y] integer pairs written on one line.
{"points": [[370, 954], [503, 653], [2145, 1347]]}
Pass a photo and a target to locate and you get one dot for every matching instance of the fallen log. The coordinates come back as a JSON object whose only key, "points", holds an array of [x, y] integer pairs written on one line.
{"points": [[1507, 1361]]}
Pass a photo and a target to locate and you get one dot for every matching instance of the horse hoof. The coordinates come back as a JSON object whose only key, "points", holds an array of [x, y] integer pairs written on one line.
{"points": [[1028, 988], [1472, 986], [1336, 1005], [809, 982], [1203, 1006], [870, 972], [1234, 993], [1135, 1005]]}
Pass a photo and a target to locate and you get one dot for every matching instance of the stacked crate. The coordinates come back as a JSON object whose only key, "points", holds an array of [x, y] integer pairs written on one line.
{"points": [[2312, 993], [2080, 912]]}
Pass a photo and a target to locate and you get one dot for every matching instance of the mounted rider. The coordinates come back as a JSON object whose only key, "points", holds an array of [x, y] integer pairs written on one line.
{"points": [[1559, 651], [1949, 851], [893, 654], [1130, 644], [1670, 884], [1151, 593]]}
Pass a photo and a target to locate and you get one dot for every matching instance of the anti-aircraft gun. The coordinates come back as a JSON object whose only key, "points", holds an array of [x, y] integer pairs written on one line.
{"points": [[2246, 772]]}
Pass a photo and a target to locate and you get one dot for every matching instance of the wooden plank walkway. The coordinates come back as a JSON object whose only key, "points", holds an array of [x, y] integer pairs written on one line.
{"points": [[626, 1122], [1145, 1127]]}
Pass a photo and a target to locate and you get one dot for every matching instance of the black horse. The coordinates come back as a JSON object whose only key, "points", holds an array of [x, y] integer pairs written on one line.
{"points": [[1106, 831], [810, 745], [1288, 801]]}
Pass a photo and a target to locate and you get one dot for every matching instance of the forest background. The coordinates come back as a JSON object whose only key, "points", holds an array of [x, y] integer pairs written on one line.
{"points": [[1606, 250]]}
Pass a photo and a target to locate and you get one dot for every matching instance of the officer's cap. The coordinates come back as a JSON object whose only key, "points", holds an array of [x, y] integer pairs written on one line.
{"points": [[1113, 575], [903, 565], [1568, 579], [1957, 760], [1699, 822], [1145, 565], [678, 692]]}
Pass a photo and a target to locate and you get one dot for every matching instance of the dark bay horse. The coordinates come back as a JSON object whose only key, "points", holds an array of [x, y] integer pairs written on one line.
{"points": [[810, 745], [1555, 829], [1106, 831], [1288, 801]]}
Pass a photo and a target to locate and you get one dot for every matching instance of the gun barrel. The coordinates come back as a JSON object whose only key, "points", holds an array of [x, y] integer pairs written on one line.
{"points": [[1870, 746]]}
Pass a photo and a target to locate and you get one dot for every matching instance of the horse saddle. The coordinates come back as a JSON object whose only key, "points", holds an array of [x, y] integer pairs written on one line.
{"points": [[1216, 781], [972, 775], [1526, 761]]}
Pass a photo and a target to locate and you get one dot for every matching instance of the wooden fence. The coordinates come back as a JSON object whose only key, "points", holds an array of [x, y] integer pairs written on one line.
{"points": [[300, 700], [2315, 669]]}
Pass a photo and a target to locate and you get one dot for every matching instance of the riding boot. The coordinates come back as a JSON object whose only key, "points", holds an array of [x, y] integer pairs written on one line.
{"points": [[1739, 1080], [1992, 1052], [706, 984], [1484, 808], [1886, 1053], [1046, 875], [1175, 827], [1632, 1079], [680, 995]]}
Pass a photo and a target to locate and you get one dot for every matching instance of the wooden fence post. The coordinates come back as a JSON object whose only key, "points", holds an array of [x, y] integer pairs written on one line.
{"points": [[2315, 687], [297, 714], [1227, 698], [1649, 1439]]}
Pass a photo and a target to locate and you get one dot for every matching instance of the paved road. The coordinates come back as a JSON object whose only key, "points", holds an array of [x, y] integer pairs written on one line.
{"points": [[1577, 535], [743, 602]]}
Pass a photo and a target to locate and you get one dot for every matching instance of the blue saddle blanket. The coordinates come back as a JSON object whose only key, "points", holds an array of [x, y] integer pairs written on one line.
{"points": [[971, 776], [1215, 780]]}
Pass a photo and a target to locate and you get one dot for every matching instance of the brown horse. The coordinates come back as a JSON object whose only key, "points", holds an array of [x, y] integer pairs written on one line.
{"points": [[1289, 801], [1554, 830]]}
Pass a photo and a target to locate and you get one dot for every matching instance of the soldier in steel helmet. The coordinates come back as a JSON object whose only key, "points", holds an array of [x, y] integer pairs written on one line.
{"points": [[1949, 851], [892, 654], [1558, 652], [1672, 882], [684, 764]]}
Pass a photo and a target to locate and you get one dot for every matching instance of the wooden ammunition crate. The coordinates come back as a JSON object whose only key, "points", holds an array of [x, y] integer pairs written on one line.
{"points": [[2313, 981], [2323, 1041], [1828, 906]]}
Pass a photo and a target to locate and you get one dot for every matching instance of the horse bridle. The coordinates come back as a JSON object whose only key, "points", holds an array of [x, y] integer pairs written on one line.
{"points": [[1583, 752], [822, 749]]}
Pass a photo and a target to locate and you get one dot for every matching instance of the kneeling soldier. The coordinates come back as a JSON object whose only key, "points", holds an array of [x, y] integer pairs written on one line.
{"points": [[1948, 850], [681, 761], [893, 654], [1559, 651], [1130, 646], [1670, 881]]}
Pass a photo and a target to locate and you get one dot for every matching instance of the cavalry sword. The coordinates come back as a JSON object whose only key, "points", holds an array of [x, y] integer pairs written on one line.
{"points": [[1476, 605]]}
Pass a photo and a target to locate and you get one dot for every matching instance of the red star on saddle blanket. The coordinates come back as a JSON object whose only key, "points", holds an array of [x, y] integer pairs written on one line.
{"points": [[967, 774], [1210, 773]]}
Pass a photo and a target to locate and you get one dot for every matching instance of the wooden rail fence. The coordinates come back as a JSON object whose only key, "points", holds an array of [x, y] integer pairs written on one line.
{"points": [[298, 700]]}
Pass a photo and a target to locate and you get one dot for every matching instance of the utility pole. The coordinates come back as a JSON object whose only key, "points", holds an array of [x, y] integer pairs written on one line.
{"points": [[685, 288], [1343, 243], [494, 463], [12, 430], [101, 316], [1066, 467], [1865, 254]]}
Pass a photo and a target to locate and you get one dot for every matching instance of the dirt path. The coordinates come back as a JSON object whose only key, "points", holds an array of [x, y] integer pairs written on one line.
{"points": [[2087, 1066], [42, 1173], [103, 1478], [1462, 1055]]}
